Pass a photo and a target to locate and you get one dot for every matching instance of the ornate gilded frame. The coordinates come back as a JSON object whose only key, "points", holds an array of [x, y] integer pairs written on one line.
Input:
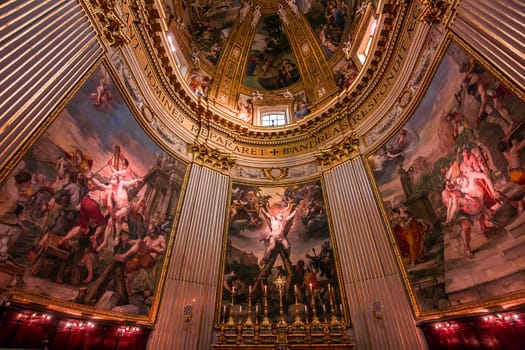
{"points": [[497, 303], [30, 300], [219, 302]]}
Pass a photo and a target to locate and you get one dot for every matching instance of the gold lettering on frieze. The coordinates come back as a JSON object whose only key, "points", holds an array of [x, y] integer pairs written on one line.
{"points": [[338, 153]]}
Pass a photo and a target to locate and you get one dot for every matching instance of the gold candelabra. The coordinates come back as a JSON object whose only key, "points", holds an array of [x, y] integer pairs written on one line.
{"points": [[266, 321], [312, 331], [249, 322], [315, 319], [298, 322], [231, 319], [280, 282], [333, 319]]}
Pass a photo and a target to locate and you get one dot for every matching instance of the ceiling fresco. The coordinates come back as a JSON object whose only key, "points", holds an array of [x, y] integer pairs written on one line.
{"points": [[242, 47], [271, 64]]}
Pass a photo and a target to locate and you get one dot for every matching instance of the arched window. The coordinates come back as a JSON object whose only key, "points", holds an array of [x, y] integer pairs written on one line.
{"points": [[273, 119]]}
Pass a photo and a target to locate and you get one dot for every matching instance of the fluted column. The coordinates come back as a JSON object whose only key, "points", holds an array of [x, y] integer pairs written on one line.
{"points": [[47, 46], [194, 265], [496, 29], [370, 272]]}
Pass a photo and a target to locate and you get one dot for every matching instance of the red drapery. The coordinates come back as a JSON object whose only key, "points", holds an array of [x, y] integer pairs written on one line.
{"points": [[28, 329]]}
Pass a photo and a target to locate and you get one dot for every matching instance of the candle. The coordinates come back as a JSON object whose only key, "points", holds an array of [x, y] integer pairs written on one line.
{"points": [[295, 289], [324, 308], [311, 288], [250, 290], [305, 310], [328, 287], [225, 309], [341, 308], [240, 308], [256, 308], [265, 289], [233, 290]]}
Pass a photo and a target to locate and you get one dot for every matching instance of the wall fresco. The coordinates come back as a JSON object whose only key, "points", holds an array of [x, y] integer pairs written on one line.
{"points": [[452, 187], [87, 213]]}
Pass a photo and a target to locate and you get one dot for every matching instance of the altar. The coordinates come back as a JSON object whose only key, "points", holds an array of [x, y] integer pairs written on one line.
{"points": [[312, 331]]}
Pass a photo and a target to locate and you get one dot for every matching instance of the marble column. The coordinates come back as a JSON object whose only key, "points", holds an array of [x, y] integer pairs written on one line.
{"points": [[47, 47], [369, 269], [194, 265]]}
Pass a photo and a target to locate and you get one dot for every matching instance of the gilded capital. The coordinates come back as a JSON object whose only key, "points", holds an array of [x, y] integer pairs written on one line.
{"points": [[109, 21], [347, 149], [212, 158], [434, 11]]}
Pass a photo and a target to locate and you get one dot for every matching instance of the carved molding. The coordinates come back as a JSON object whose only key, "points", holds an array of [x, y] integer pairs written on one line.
{"points": [[345, 150], [212, 158], [275, 173], [111, 24], [434, 11]]}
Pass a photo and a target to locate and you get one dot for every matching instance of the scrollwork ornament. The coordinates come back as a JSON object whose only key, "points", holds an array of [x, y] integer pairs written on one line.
{"points": [[275, 173], [111, 24], [434, 11], [347, 149], [212, 158]]}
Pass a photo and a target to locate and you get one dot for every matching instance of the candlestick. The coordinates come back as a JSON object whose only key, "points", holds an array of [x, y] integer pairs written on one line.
{"points": [[333, 319], [266, 321], [297, 322], [249, 322], [315, 319], [282, 321], [231, 319]]}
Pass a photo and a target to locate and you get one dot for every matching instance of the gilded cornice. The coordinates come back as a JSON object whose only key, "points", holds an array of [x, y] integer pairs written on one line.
{"points": [[259, 136], [204, 120], [111, 24], [212, 158], [340, 152]]}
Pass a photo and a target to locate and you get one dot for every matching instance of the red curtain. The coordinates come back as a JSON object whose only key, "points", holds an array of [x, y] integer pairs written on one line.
{"points": [[28, 329], [501, 331]]}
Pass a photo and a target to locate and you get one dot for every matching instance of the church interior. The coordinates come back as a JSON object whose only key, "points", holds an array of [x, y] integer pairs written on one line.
{"points": [[262, 174]]}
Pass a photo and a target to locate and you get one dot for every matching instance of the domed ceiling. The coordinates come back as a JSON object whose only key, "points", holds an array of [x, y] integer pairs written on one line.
{"points": [[250, 56]]}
